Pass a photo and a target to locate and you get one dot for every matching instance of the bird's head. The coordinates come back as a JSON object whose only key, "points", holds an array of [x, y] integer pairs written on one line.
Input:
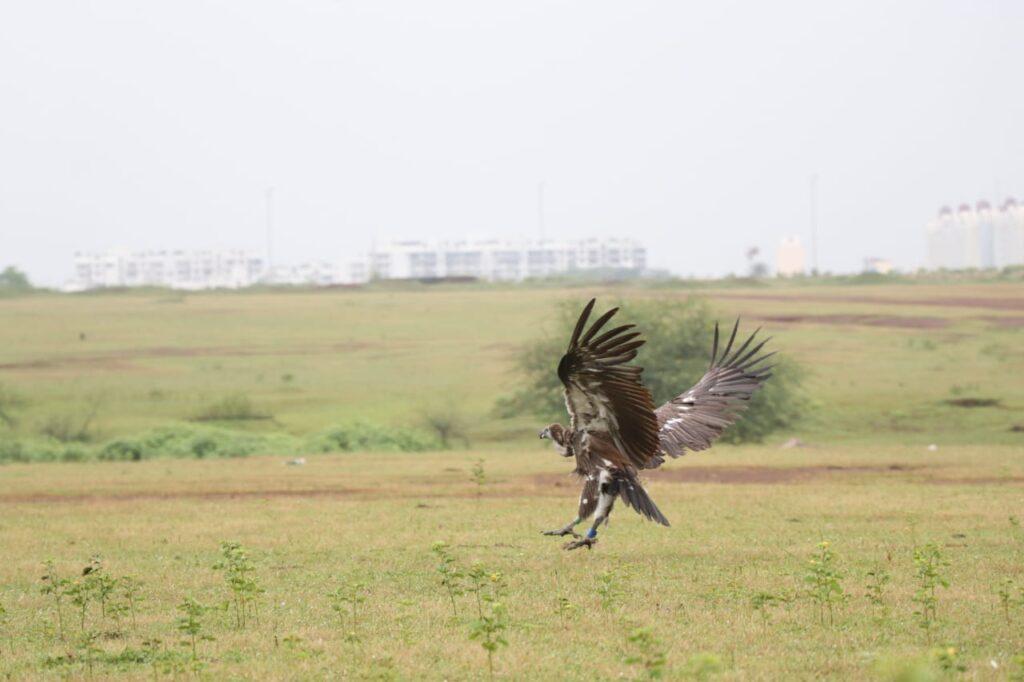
{"points": [[558, 435]]}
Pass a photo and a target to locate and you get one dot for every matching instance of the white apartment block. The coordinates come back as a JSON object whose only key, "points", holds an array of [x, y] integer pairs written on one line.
{"points": [[313, 273], [791, 258], [878, 266], [978, 237], [496, 260], [229, 269]]}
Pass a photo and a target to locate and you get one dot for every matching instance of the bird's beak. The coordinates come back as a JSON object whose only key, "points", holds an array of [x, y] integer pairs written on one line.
{"points": [[541, 435]]}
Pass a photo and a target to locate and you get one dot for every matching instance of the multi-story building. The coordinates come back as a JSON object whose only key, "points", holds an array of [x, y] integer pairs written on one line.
{"points": [[497, 260], [978, 237], [878, 266], [313, 273], [791, 259], [229, 269], [1008, 237]]}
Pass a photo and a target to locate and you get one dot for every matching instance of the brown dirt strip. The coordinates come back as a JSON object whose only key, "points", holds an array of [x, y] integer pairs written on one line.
{"points": [[538, 484], [122, 359], [1008, 322], [945, 302], [157, 495], [868, 320]]}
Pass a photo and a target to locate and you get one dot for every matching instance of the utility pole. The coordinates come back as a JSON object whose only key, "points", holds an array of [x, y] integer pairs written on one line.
{"points": [[270, 230], [540, 209], [814, 223]]}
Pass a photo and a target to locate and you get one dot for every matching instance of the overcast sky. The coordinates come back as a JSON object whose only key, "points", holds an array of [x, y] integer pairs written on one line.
{"points": [[694, 127]]}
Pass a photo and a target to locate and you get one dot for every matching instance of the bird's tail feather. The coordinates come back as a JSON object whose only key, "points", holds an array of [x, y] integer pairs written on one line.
{"points": [[634, 495]]}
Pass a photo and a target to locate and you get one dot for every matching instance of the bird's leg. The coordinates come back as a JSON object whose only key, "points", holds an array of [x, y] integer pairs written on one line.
{"points": [[568, 529], [605, 502]]}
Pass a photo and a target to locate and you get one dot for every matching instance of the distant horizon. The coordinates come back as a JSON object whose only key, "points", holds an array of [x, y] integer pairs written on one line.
{"points": [[697, 128]]}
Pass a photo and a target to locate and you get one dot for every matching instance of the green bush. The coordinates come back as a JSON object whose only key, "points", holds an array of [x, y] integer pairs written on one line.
{"points": [[679, 337], [197, 442], [188, 441], [359, 436], [237, 407]]}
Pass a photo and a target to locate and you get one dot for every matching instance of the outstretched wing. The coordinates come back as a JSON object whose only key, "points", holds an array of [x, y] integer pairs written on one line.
{"points": [[603, 394], [696, 418]]}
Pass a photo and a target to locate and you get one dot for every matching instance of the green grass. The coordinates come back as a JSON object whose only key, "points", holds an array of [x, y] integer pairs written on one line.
{"points": [[372, 519], [309, 360], [745, 519]]}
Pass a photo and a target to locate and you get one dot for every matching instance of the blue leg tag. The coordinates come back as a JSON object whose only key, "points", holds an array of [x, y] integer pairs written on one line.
{"points": [[592, 533]]}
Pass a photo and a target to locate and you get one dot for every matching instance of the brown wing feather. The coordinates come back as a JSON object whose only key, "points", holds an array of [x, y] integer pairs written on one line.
{"points": [[603, 393], [694, 419]]}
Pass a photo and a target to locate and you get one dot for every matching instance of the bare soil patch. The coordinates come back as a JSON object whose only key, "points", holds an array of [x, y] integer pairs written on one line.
{"points": [[868, 320], [745, 474], [121, 360], [943, 301], [1003, 322], [158, 495]]}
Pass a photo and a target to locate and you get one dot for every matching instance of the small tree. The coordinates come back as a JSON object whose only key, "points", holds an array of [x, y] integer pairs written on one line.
{"points": [[14, 280], [679, 336], [447, 422]]}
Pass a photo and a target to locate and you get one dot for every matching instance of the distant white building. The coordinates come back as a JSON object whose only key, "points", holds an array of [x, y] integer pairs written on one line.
{"points": [[978, 237], [228, 269], [314, 273], [1008, 239], [880, 266], [497, 260], [791, 258]]}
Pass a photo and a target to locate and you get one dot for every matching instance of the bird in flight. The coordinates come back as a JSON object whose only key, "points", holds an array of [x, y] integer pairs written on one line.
{"points": [[614, 430]]}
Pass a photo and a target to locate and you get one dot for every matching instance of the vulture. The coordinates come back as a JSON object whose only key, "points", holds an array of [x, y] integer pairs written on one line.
{"points": [[615, 431]]}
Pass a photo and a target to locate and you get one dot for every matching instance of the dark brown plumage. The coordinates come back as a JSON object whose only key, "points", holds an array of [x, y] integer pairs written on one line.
{"points": [[614, 430]]}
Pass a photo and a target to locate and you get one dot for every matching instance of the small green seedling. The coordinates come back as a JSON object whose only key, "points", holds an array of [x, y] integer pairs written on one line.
{"points": [[190, 624], [452, 575], [646, 653], [948, 660], [478, 476], [563, 606], [1016, 672], [928, 566], [103, 586], [823, 580], [131, 592], [55, 587], [345, 602], [5, 631], [492, 615], [878, 578], [763, 602], [239, 575], [86, 648], [703, 666], [608, 589]]}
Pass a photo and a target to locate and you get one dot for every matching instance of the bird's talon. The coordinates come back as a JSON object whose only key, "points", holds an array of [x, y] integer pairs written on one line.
{"points": [[580, 542], [561, 532]]}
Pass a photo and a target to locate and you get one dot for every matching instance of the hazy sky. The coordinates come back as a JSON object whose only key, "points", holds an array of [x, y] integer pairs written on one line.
{"points": [[692, 126]]}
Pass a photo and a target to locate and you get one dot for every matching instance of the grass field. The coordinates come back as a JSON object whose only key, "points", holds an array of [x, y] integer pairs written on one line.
{"points": [[881, 359], [722, 593]]}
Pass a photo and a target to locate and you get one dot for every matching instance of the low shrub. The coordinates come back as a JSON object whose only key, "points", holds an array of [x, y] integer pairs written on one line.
{"points": [[190, 441], [359, 436], [237, 407]]}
